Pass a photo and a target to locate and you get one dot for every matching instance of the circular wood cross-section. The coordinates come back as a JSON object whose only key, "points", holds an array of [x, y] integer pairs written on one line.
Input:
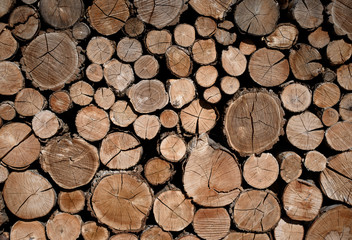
{"points": [[253, 122], [122, 201], [22, 229], [11, 78]]}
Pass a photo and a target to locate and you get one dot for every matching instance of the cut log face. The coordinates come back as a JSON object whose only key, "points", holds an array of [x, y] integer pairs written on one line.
{"points": [[91, 231], [118, 75], [338, 52], [257, 17], [204, 51], [63, 226], [94, 72], [157, 42], [71, 162], [229, 85], [11, 78], [146, 67], [181, 91], [124, 236], [129, 49], [206, 164], [4, 173], [345, 107], [246, 236], [147, 126], [256, 210], [7, 110], [253, 122], [184, 35], [188, 237], [334, 223], [233, 61], [27, 230], [81, 93], [205, 26], [9, 45], [122, 114], [100, 50], [168, 118], [290, 166], [212, 95], [80, 31], [340, 16], [344, 76], [60, 101], [173, 148], [6, 6], [134, 27], [71, 202], [315, 161], [158, 171], [104, 97], [120, 150], [29, 102], [212, 8], [319, 38], [51, 60], [296, 97], [28, 195], [155, 233], [308, 13], [25, 22], [178, 61], [338, 136], [335, 180], [284, 36], [286, 230], [122, 201], [326, 95], [206, 75], [45, 124]]}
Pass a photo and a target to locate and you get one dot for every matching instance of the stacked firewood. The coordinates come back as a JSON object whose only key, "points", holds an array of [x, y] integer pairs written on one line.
{"points": [[176, 119]]}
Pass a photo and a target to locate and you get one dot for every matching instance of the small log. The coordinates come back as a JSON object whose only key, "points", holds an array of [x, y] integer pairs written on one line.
{"points": [[233, 61], [71, 162], [246, 236], [94, 72], [80, 31], [63, 226], [4, 173], [146, 67], [206, 164], [304, 62], [268, 67], [158, 171], [205, 26], [6, 6], [100, 50], [120, 150], [8, 43], [172, 210], [147, 126], [104, 98], [124, 236], [290, 166], [173, 148], [206, 76], [28, 195], [155, 233], [257, 17], [225, 37], [338, 136], [328, 75], [212, 95], [134, 27], [92, 123], [45, 124], [157, 42], [12, 80], [338, 52], [198, 117], [211, 223], [27, 230], [81, 93], [118, 75], [148, 96], [71, 202], [345, 107], [284, 36], [3, 215], [60, 101], [229, 85], [18, 145], [91, 231], [212, 8], [315, 161], [29, 102], [184, 35], [129, 49], [319, 38], [326, 95], [330, 116], [178, 61], [340, 12], [204, 51], [187, 237], [262, 171], [108, 17], [256, 210], [286, 230], [226, 25], [7, 110], [168, 118], [181, 91], [344, 76], [305, 131], [308, 13], [120, 196], [121, 114], [296, 97], [247, 46]]}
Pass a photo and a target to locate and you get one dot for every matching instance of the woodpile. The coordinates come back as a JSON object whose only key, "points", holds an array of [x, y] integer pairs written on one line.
{"points": [[176, 119]]}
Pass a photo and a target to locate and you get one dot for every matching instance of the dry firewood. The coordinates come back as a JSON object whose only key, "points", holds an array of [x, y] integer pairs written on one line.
{"points": [[18, 145], [91, 231], [172, 147], [147, 126], [157, 42], [319, 38], [7, 110], [344, 76], [340, 16], [233, 61], [100, 50], [146, 67], [71, 162], [330, 116], [257, 17], [158, 171], [205, 26], [27, 230], [80, 31], [11, 78], [181, 91], [326, 95], [8, 43], [45, 124], [345, 107], [256, 210], [290, 166], [315, 161], [124, 236], [204, 51], [121, 114], [284, 36], [104, 98], [60, 101], [212, 95], [206, 76], [187, 237], [4, 173], [178, 61], [229, 85], [118, 75], [338, 52], [71, 202], [225, 37], [120, 196], [268, 67], [155, 233], [129, 49], [184, 35], [29, 102], [168, 118], [3, 215], [134, 27], [6, 6], [286, 230], [247, 47], [207, 163], [296, 97], [247, 125], [338, 136], [94, 72], [308, 13], [328, 75], [212, 8], [28, 195], [81, 93], [63, 226], [247, 236], [108, 17]]}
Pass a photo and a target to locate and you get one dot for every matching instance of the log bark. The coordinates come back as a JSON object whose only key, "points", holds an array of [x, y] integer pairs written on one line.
{"points": [[71, 202], [63, 226], [27, 230]]}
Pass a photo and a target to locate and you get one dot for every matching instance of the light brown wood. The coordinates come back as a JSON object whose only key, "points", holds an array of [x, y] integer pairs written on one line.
{"points": [[315, 161], [345, 107], [247, 46], [290, 166], [6, 6], [284, 36], [168, 118], [212, 8], [206, 75], [81, 31], [157, 42], [94, 72], [146, 67], [147, 126], [29, 102], [28, 195], [187, 237], [45, 124], [158, 171], [181, 91], [326, 95], [330, 116], [104, 98], [129, 49], [120, 150], [338, 52], [11, 78], [81, 93], [338, 136], [122, 114], [63, 226], [7, 110], [8, 43], [204, 51], [233, 61], [155, 233], [178, 61], [173, 147], [134, 27], [229, 85], [4, 173], [205, 26], [319, 38], [344, 76], [340, 12], [27, 230], [308, 13], [71, 202], [60, 101], [184, 35], [225, 37], [247, 236], [124, 236], [212, 95], [118, 75], [286, 230], [91, 231], [100, 50], [70, 162], [296, 97]]}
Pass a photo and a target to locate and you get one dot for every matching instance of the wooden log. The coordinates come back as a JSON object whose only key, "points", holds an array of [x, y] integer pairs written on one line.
{"points": [[147, 126], [304, 62], [206, 164], [129, 49], [338, 136], [4, 173], [120, 196], [172, 147], [262, 171], [308, 13], [168, 118], [29, 102], [94, 72], [338, 52], [60, 101], [155, 232], [319, 38], [212, 95], [8, 43], [124, 236], [104, 98], [121, 114], [205, 26], [70, 162], [302, 200], [233, 61], [315, 161], [212, 8], [100, 50], [257, 17], [178, 61], [148, 96], [286, 230], [3, 215], [326, 95], [233, 235], [284, 36], [184, 35], [172, 210], [247, 127], [118, 75], [18, 145], [92, 123], [296, 97], [256, 210], [71, 202], [229, 85], [206, 76], [304, 131], [27, 230], [45, 124], [198, 117], [6, 6], [146, 67], [7, 110], [108, 17], [290, 166], [339, 12], [345, 107], [28, 195], [133, 27], [344, 76], [158, 171], [268, 67], [328, 75], [81, 31], [81, 93], [181, 91], [91, 231], [63, 226], [120, 150], [335, 222], [335, 181], [225, 37], [157, 42], [204, 51], [11, 80], [187, 237], [329, 117], [52, 66], [247, 46]]}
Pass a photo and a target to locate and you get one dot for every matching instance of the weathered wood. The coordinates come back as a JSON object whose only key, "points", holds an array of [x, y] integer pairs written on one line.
{"points": [[212, 8], [338, 136], [225, 37], [81, 31], [205, 26], [173, 148], [206, 75], [24, 230], [124, 236], [340, 12], [122, 114], [134, 27], [100, 50], [247, 46], [308, 13], [158, 171], [168, 118], [284, 36], [212, 95], [229, 85], [118, 75], [233, 61], [94, 72], [204, 51], [155, 232], [104, 98], [290, 166], [296, 97], [286, 230], [8, 43], [344, 76], [157, 42], [63, 226], [11, 78], [29, 102], [233, 235], [7, 110], [181, 91], [71, 202], [6, 6], [45, 124], [319, 38], [326, 95], [330, 116], [81, 93], [345, 107], [91, 231], [315, 161], [146, 126], [129, 49], [178, 61], [184, 35], [60, 101], [338, 52], [4, 173], [146, 67]]}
